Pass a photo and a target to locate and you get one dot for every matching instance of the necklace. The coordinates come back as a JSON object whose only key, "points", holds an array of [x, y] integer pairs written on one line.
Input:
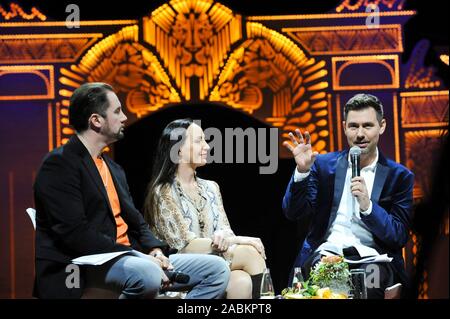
{"points": [[195, 195], [196, 198]]}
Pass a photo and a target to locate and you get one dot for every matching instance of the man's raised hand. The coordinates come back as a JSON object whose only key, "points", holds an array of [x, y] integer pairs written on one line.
{"points": [[301, 150]]}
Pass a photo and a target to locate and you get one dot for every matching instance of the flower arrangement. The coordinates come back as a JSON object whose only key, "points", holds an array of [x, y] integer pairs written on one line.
{"points": [[332, 272], [329, 279]]}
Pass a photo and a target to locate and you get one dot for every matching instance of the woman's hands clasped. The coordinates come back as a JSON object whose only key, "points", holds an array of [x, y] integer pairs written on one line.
{"points": [[222, 241]]}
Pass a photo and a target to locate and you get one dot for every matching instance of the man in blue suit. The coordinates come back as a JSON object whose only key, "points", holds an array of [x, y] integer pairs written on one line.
{"points": [[356, 215]]}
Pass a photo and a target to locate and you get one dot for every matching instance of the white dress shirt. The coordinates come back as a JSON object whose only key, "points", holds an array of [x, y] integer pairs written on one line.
{"points": [[348, 229]]}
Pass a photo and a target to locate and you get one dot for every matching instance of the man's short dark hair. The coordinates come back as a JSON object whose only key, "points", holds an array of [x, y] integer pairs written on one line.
{"points": [[362, 101], [88, 99]]}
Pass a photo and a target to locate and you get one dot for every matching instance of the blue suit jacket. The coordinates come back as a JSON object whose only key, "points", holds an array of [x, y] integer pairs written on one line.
{"points": [[317, 199]]}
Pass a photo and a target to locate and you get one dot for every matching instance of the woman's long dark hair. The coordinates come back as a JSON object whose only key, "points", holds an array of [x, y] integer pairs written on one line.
{"points": [[164, 168]]}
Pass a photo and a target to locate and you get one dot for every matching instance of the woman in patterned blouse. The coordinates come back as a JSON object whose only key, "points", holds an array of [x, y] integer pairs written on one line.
{"points": [[187, 211]]}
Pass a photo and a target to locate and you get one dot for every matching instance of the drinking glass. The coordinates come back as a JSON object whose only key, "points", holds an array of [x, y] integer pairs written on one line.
{"points": [[267, 290]]}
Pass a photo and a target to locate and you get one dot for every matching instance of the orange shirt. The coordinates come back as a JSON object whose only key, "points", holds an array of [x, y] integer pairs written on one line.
{"points": [[122, 227]]}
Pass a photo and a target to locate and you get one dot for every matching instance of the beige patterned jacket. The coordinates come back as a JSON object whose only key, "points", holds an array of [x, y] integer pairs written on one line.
{"points": [[179, 219]]}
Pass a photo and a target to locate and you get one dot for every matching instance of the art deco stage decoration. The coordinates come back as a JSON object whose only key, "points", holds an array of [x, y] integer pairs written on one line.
{"points": [[290, 71]]}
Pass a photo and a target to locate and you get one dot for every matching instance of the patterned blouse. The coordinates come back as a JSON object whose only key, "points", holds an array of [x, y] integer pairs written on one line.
{"points": [[180, 219]]}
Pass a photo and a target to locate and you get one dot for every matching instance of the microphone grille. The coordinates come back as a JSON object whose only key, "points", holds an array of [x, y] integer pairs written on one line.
{"points": [[355, 150]]}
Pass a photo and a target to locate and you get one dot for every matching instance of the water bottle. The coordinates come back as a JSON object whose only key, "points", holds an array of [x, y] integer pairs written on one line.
{"points": [[267, 290], [358, 277], [297, 279]]}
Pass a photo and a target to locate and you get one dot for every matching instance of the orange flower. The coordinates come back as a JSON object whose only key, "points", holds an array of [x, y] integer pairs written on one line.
{"points": [[331, 259]]}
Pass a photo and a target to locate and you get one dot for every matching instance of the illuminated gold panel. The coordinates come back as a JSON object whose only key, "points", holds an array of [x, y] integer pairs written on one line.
{"points": [[129, 67], [270, 62], [94, 57], [44, 48], [390, 62], [155, 90], [339, 112], [422, 78], [330, 16], [44, 72], [356, 39], [330, 123], [64, 23], [352, 5], [193, 38], [17, 11], [50, 126], [425, 109], [58, 123], [396, 128], [419, 145]]}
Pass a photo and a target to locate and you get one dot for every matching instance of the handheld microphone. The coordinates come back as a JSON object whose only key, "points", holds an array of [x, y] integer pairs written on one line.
{"points": [[355, 153], [176, 276]]}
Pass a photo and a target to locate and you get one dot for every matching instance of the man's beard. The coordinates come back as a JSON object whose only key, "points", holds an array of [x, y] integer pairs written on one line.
{"points": [[365, 150], [120, 134], [115, 136]]}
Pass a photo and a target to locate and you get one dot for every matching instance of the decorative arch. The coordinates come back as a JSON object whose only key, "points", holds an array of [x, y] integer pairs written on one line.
{"points": [[381, 66], [193, 39], [129, 67], [197, 51], [39, 77], [270, 66]]}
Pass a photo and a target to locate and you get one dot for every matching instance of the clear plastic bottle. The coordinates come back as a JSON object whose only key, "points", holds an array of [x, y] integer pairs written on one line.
{"points": [[297, 279]]}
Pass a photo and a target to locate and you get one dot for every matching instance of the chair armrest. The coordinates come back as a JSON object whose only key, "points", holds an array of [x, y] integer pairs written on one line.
{"points": [[393, 292]]}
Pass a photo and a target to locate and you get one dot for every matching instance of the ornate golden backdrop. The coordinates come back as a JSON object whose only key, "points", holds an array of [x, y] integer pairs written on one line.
{"points": [[288, 71], [195, 51]]}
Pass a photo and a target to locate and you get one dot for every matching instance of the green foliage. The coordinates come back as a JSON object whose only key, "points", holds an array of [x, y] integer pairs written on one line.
{"points": [[305, 289], [309, 290], [325, 274], [330, 273]]}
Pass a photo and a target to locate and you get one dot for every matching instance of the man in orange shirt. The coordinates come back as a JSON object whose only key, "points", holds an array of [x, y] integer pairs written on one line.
{"points": [[84, 207]]}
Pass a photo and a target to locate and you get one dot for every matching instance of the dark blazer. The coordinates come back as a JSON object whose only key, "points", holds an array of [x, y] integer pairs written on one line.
{"points": [[74, 217], [317, 199]]}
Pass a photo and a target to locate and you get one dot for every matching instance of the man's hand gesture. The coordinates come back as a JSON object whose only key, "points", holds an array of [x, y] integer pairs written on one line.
{"points": [[301, 150]]}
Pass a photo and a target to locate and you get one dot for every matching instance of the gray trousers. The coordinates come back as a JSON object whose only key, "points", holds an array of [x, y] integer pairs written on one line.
{"points": [[137, 277]]}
